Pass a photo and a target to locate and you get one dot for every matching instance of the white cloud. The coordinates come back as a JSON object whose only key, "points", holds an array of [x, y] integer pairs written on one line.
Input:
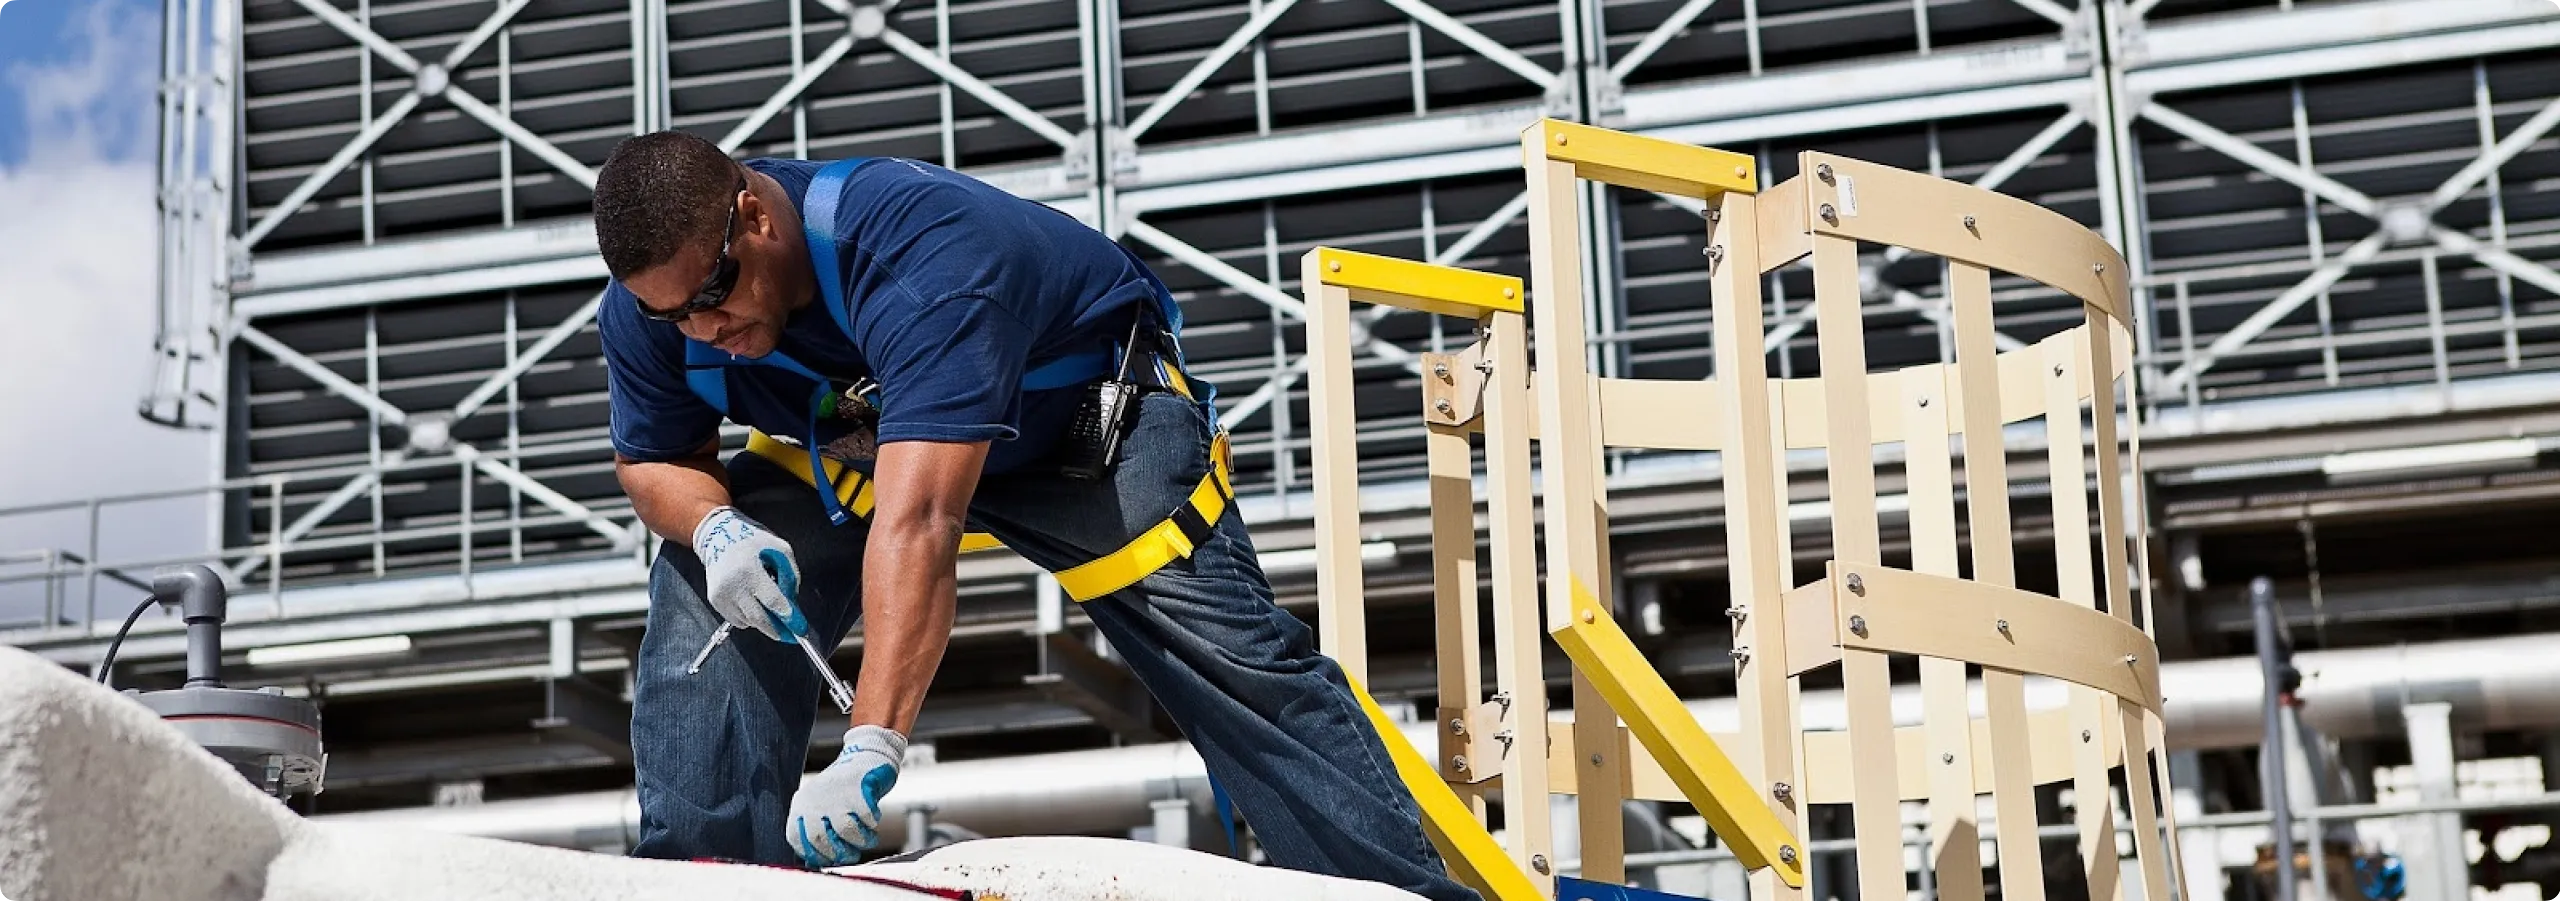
{"points": [[79, 257]]}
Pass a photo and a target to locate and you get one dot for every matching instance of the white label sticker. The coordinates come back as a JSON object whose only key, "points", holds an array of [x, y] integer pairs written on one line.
{"points": [[1848, 195]]}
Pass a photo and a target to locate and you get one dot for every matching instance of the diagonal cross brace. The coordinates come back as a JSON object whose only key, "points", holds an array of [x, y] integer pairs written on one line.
{"points": [[2351, 199], [419, 90]]}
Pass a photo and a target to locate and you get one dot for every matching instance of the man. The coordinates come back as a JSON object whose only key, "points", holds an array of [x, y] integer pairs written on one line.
{"points": [[944, 338]]}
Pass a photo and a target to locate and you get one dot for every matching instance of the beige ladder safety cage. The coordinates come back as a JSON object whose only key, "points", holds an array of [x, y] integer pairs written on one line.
{"points": [[1628, 736]]}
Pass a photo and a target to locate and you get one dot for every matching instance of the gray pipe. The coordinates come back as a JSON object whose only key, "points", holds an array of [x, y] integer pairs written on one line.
{"points": [[2262, 607], [201, 598], [2494, 683]]}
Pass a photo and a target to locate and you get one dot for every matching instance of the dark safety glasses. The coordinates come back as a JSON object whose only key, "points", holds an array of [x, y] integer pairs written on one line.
{"points": [[716, 286]]}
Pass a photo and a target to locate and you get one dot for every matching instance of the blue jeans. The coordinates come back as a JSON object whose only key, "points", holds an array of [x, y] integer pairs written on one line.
{"points": [[719, 753]]}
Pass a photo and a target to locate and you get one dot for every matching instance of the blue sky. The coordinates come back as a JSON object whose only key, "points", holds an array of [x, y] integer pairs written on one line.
{"points": [[79, 242], [38, 35]]}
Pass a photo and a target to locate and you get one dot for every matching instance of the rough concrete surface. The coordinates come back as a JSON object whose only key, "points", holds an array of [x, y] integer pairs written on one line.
{"points": [[99, 799], [1070, 868]]}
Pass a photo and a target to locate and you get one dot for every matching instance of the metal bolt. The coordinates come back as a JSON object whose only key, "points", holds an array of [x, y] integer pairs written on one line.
{"points": [[1715, 215], [2129, 660], [1444, 408], [1738, 612], [1949, 759], [1504, 737], [1783, 792], [1337, 265], [1787, 854], [2084, 736], [1441, 370], [1457, 726], [2057, 371], [1484, 366], [1741, 656], [1742, 172], [1858, 626], [1588, 617], [1830, 215], [1822, 171], [1857, 586], [2002, 625], [1968, 223], [1510, 292], [2098, 268], [1924, 402], [1559, 137], [1539, 863], [1595, 760], [1460, 762], [1715, 252]]}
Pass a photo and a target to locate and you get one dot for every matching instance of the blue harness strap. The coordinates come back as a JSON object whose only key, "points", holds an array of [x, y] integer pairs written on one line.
{"points": [[706, 368]]}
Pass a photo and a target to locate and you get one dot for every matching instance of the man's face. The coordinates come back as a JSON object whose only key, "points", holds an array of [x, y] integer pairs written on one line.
{"points": [[747, 320]]}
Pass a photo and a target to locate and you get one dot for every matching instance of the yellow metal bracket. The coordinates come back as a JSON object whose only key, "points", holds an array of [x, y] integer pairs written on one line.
{"points": [[1692, 758], [1422, 287], [1652, 164]]}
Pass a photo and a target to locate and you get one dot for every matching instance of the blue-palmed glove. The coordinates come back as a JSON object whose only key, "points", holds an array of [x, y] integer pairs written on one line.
{"points": [[747, 572], [836, 814]]}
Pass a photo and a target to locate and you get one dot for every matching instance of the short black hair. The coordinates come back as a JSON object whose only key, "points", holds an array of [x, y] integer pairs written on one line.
{"points": [[659, 193]]}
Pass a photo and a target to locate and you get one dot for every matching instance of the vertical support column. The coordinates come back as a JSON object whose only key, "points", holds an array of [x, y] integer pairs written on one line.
{"points": [[1172, 821], [1755, 536], [1451, 461], [1341, 629], [1577, 583], [1986, 470], [1955, 836], [1519, 654], [2068, 464], [2445, 869], [1867, 683]]}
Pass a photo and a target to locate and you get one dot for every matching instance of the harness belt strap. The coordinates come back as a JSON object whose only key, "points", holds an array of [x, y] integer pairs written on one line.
{"points": [[1173, 539], [852, 489]]}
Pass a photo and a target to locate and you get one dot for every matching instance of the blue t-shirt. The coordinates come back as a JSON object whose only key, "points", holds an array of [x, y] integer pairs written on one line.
{"points": [[954, 290]]}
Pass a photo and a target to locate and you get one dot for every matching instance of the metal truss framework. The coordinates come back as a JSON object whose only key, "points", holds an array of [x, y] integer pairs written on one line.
{"points": [[2102, 68]]}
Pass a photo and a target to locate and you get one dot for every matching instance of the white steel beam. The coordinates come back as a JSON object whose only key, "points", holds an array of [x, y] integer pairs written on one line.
{"points": [[2274, 63], [1208, 65], [1246, 406], [550, 341], [534, 488], [2284, 304], [2524, 270], [1218, 269], [2364, 251], [986, 93], [532, 143], [338, 162], [253, 558], [2232, 146], [1660, 35], [782, 99], [2049, 10], [337, 384], [1486, 47]]}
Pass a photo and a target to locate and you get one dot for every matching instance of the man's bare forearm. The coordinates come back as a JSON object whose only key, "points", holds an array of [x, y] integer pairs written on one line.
{"points": [[910, 590], [909, 597], [672, 497]]}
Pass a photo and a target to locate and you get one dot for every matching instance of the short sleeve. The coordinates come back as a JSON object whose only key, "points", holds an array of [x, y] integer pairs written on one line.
{"points": [[654, 416], [950, 371]]}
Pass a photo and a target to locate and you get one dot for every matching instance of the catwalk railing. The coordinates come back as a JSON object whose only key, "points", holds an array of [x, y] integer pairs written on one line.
{"points": [[1863, 615]]}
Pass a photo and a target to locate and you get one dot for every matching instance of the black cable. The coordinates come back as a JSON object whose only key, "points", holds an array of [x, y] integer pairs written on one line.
{"points": [[107, 666]]}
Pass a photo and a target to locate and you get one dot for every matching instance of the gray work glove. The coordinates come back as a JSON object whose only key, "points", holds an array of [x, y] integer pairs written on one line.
{"points": [[836, 814], [749, 575]]}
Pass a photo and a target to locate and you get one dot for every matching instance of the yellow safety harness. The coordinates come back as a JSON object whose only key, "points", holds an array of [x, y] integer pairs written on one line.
{"points": [[1172, 539]]}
